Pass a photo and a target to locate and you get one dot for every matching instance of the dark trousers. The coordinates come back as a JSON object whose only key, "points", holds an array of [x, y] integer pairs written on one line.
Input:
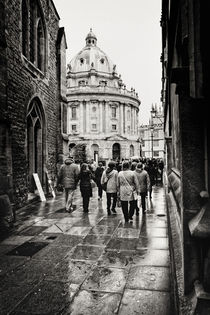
{"points": [[111, 200], [86, 200], [100, 190], [143, 201], [128, 213]]}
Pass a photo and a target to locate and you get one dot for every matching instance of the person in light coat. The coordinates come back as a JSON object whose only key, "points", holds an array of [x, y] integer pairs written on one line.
{"points": [[128, 188], [110, 176], [144, 184]]}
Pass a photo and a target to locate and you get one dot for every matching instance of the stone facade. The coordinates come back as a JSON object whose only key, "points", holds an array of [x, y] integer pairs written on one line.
{"points": [[101, 113], [152, 137], [32, 47], [185, 96]]}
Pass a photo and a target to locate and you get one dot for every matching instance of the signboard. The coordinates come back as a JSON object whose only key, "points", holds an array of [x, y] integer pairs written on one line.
{"points": [[39, 187]]}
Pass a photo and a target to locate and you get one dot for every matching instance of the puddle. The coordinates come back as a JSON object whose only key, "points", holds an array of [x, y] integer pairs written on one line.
{"points": [[27, 249]]}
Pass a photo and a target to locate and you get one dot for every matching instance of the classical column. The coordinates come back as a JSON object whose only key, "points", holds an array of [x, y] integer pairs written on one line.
{"points": [[88, 127], [68, 118], [81, 118], [100, 117]]}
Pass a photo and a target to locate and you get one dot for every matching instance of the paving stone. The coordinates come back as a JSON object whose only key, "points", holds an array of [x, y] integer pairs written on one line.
{"points": [[126, 233], [103, 229], [6, 248], [11, 295], [101, 240], [71, 271], [78, 230], [151, 257], [8, 263], [118, 259], [68, 240], [122, 243], [145, 303], [148, 278], [49, 297], [94, 303], [86, 252], [152, 242], [33, 230], [27, 249], [16, 240], [52, 253], [106, 279]]}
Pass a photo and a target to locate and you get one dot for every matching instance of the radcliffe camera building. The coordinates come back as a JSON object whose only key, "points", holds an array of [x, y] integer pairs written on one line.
{"points": [[101, 112]]}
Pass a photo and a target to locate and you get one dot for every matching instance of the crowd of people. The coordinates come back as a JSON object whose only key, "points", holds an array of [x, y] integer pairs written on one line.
{"points": [[124, 183]]}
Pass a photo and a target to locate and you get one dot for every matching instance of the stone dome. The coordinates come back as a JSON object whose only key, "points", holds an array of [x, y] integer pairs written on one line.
{"points": [[91, 57]]}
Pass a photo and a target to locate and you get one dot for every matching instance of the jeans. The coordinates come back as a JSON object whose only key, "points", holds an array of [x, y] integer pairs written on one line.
{"points": [[143, 201], [86, 200], [100, 191], [69, 194], [109, 197], [128, 214]]}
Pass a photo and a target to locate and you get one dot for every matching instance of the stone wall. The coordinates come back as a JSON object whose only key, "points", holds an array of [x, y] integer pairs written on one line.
{"points": [[25, 82]]}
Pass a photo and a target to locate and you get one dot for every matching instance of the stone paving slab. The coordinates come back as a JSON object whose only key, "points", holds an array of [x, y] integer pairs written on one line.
{"points": [[93, 263], [106, 279], [58, 294], [148, 278], [96, 303], [145, 302]]}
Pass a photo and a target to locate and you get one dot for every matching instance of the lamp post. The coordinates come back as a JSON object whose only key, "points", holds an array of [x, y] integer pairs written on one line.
{"points": [[152, 130], [153, 114]]}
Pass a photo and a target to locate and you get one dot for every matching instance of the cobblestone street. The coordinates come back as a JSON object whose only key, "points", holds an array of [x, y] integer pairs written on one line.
{"points": [[59, 263]]}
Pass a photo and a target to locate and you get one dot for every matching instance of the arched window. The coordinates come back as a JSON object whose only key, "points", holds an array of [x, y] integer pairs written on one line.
{"points": [[34, 34], [40, 46], [131, 150], [116, 151], [24, 28], [35, 141]]}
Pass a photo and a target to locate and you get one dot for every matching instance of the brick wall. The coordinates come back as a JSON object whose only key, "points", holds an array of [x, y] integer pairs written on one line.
{"points": [[24, 83]]}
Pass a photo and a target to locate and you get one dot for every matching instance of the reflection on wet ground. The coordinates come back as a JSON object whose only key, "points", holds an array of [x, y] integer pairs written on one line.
{"points": [[55, 262]]}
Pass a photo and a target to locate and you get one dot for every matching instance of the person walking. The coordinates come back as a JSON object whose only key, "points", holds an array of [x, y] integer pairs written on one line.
{"points": [[144, 184], [85, 177], [109, 176], [98, 174], [68, 178], [128, 188], [149, 167]]}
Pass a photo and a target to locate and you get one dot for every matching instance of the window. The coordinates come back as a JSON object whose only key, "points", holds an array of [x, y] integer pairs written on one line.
{"points": [[102, 60], [33, 34], [73, 113], [93, 126], [114, 127], [81, 61], [129, 129], [114, 112], [143, 143], [93, 109], [74, 127], [81, 83], [155, 143], [103, 83], [129, 114], [156, 133], [156, 153]]}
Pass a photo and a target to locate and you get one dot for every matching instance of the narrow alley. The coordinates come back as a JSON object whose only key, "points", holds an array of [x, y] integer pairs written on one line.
{"points": [[56, 262]]}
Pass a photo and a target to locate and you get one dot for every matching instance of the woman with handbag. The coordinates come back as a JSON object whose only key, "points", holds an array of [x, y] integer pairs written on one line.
{"points": [[86, 178], [128, 188]]}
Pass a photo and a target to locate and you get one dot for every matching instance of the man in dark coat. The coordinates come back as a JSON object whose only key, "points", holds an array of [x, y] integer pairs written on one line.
{"points": [[98, 173]]}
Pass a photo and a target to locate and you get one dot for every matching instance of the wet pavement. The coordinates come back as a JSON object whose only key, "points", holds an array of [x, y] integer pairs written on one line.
{"points": [[54, 262]]}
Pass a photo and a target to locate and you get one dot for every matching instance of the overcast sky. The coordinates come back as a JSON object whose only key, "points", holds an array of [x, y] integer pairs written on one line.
{"points": [[128, 32]]}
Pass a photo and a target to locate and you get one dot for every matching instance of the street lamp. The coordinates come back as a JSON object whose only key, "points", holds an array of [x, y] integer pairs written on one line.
{"points": [[153, 114], [152, 130]]}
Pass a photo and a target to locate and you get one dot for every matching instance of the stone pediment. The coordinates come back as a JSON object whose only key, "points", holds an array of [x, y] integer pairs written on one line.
{"points": [[116, 138]]}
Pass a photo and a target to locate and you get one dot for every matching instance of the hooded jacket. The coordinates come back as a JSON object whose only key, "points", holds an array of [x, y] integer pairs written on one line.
{"points": [[110, 175], [143, 179], [68, 174]]}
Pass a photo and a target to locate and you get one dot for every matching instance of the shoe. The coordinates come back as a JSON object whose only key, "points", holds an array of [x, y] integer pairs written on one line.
{"points": [[131, 219], [114, 211], [86, 210], [108, 212]]}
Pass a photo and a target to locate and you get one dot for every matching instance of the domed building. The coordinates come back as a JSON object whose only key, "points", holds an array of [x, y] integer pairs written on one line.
{"points": [[101, 112]]}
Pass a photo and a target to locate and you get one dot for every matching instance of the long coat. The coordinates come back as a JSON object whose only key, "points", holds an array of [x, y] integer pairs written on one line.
{"points": [[111, 176], [127, 183], [144, 181], [68, 174], [85, 183]]}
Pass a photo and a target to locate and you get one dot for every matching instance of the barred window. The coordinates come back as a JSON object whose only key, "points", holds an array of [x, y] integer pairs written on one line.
{"points": [[24, 28]]}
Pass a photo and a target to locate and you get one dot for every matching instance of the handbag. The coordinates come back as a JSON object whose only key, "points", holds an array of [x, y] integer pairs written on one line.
{"points": [[104, 186], [93, 184]]}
